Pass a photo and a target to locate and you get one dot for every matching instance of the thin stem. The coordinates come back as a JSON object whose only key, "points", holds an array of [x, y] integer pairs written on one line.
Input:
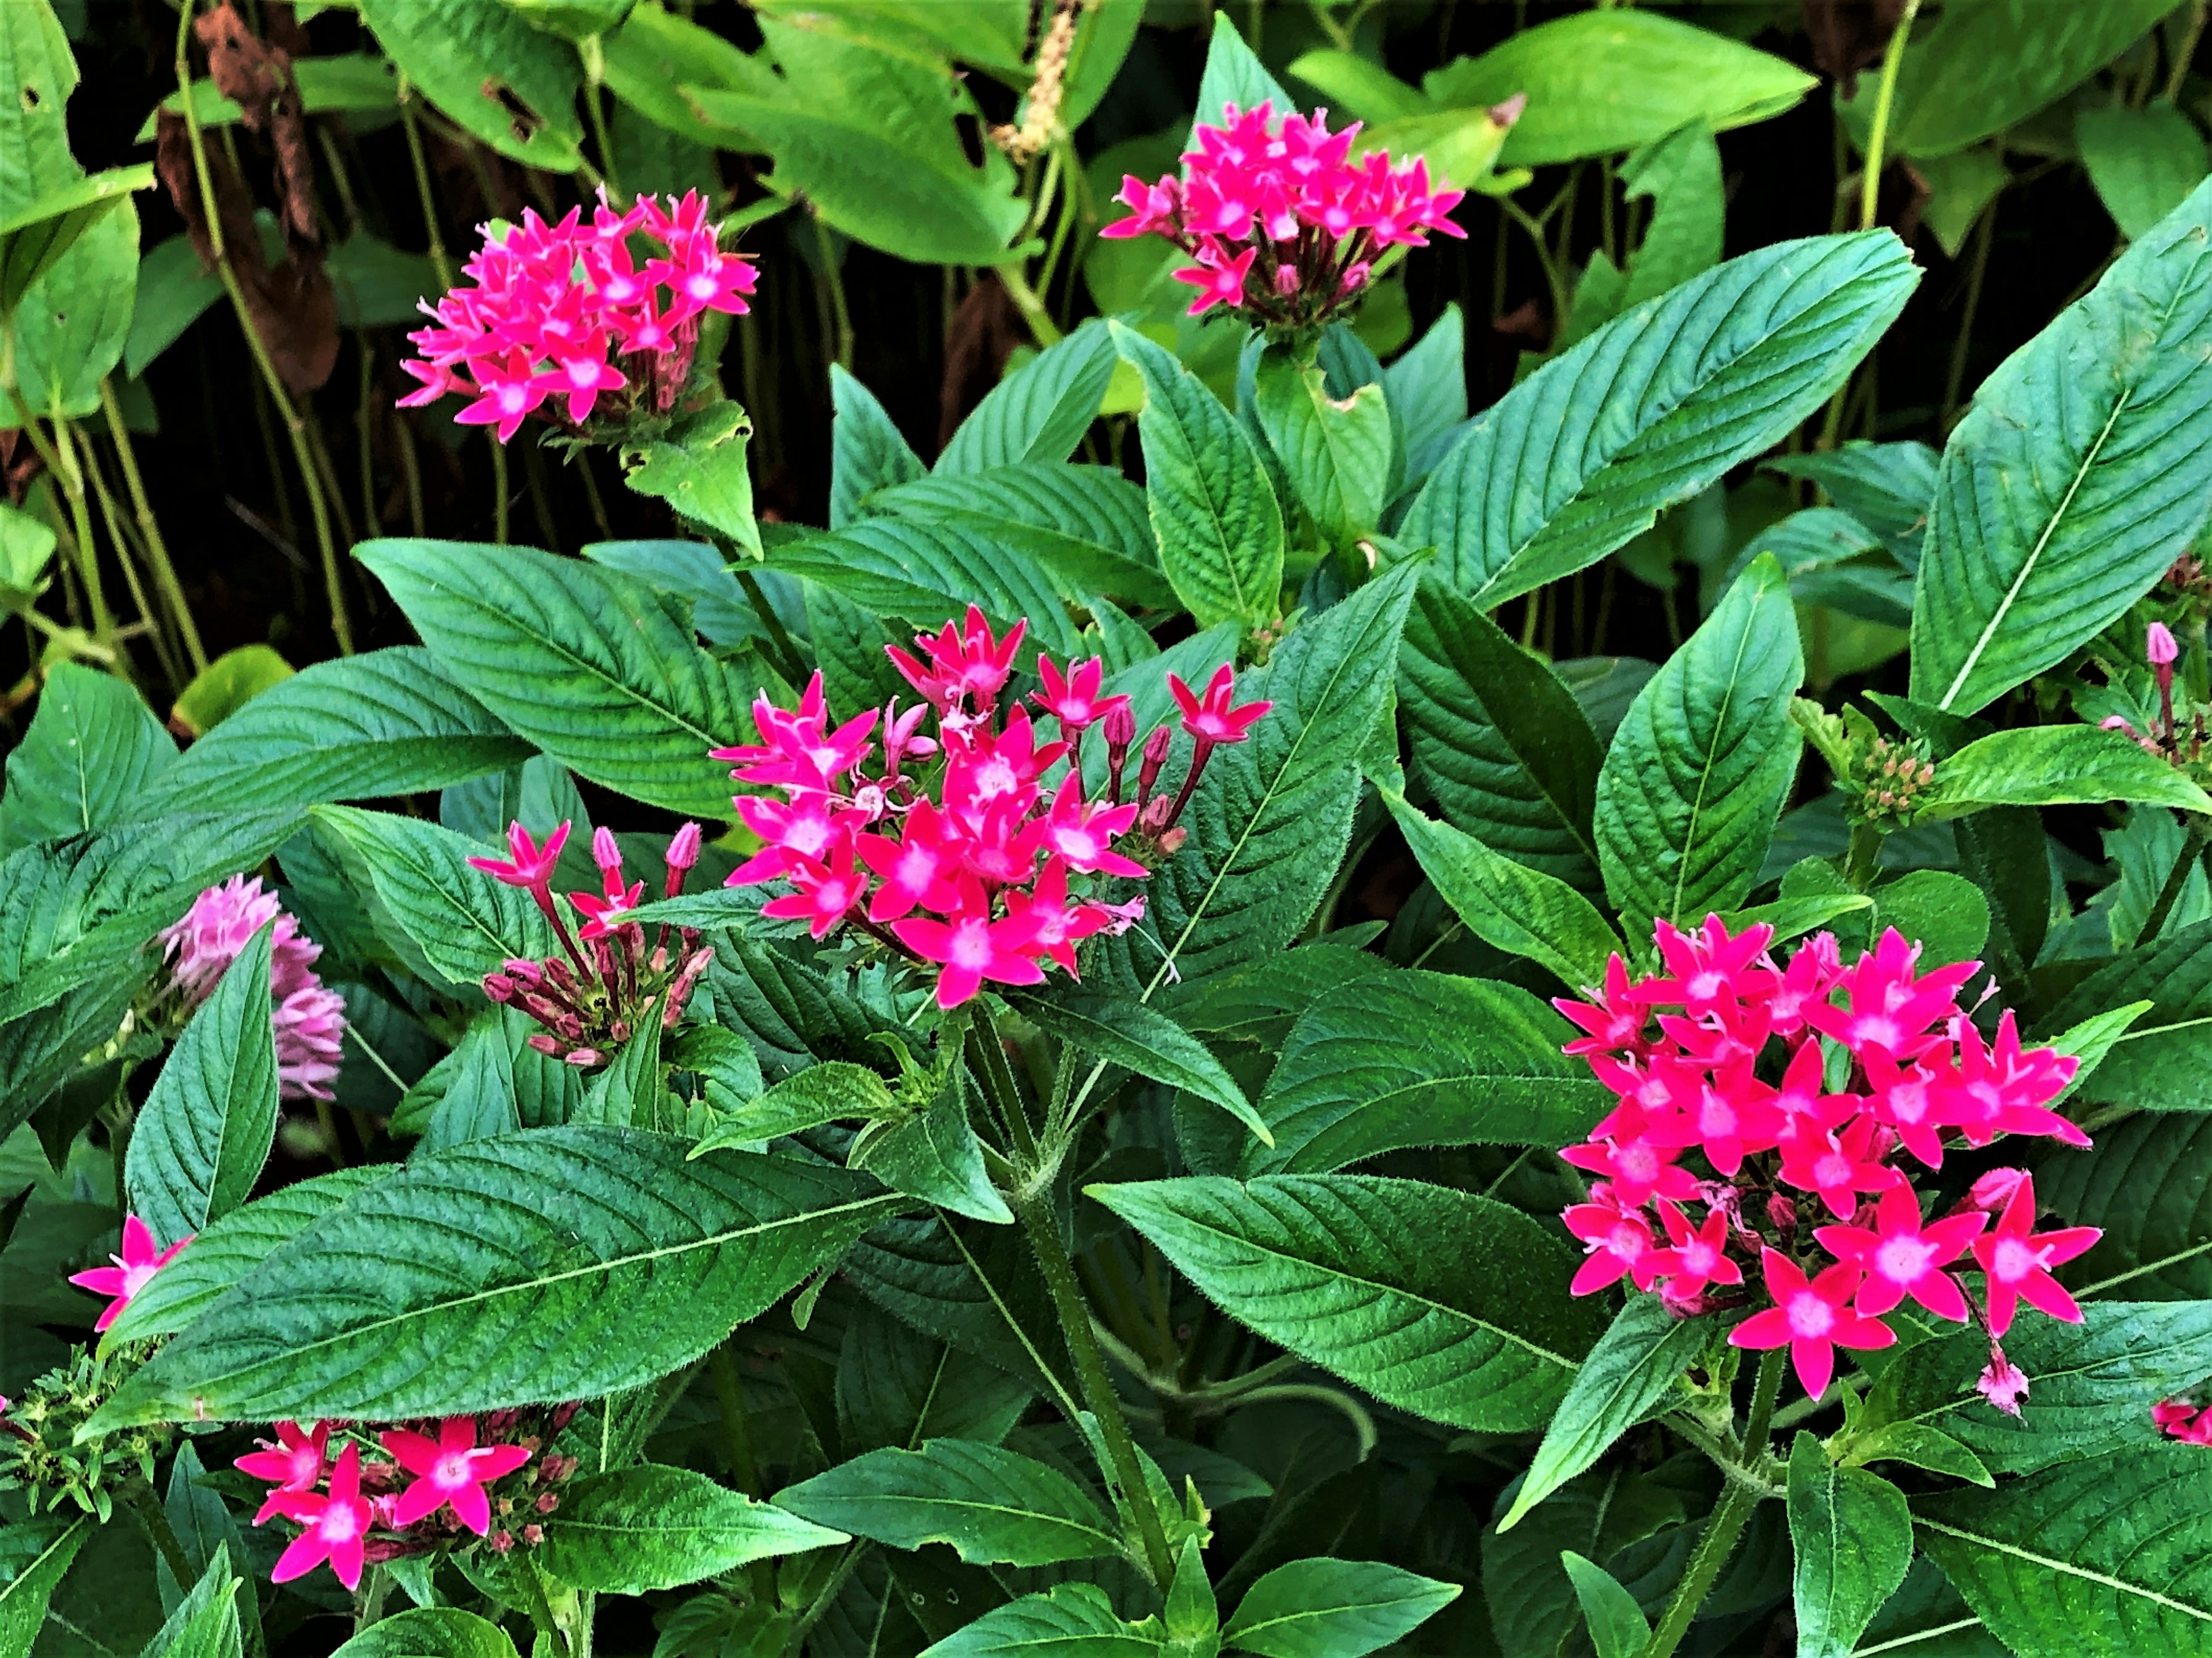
{"points": [[594, 70], [1862, 862], [989, 1055], [88, 551], [1043, 1226], [1555, 278], [2180, 73], [788, 662], [146, 1508], [738, 1442], [796, 1641], [1954, 382], [1729, 1516], [1764, 1392], [833, 280], [1878, 131], [414, 128], [362, 417], [498, 490], [111, 515], [541, 502], [150, 529], [2200, 829], [1026, 301]]}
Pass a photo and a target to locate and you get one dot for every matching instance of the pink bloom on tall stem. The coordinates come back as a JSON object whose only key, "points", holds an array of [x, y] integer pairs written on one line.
{"points": [[528, 864], [450, 1469], [337, 1526], [140, 1259], [1812, 1318]]}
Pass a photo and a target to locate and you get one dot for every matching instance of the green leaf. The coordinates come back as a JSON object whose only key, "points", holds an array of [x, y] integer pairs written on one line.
{"points": [[1680, 174], [1334, 1609], [590, 665], [71, 324], [387, 723], [2099, 1560], [636, 1530], [1618, 1628], [993, 1506], [33, 1556], [896, 1387], [867, 451], [1944, 912], [204, 1624], [1336, 451], [934, 1156], [821, 1093], [1497, 738], [1688, 387], [691, 570], [1234, 76], [559, 1263], [2147, 1182], [92, 751], [2143, 162], [340, 84], [1040, 412], [631, 1092], [1418, 1058], [1118, 1027], [1270, 819], [1439, 1302], [657, 60], [227, 1249], [1508, 905], [2058, 766], [498, 78], [1359, 87], [429, 1632], [41, 1050], [35, 237], [464, 923], [1696, 778], [1853, 1536], [2045, 529], [226, 685], [699, 468], [2157, 1064], [1599, 82], [1074, 1621], [1920, 1446], [1427, 387], [1220, 528], [1635, 1364], [205, 1133]]}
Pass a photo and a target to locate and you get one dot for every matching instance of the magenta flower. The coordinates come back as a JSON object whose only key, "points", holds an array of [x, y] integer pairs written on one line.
{"points": [[1901, 1257], [337, 1526], [1616, 1242], [2017, 1261], [138, 1262], [450, 1469], [294, 1463], [1208, 718], [1072, 698], [308, 1018], [1615, 1020], [1838, 1166], [1695, 1256], [1811, 1318], [528, 864], [1889, 1007], [972, 947]]}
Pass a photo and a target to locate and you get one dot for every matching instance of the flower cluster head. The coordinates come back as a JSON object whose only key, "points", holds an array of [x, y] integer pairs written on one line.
{"points": [[143, 1257], [1282, 224], [408, 1489], [42, 1455], [566, 310], [309, 1018], [2178, 1419], [607, 982], [963, 849], [1810, 1090]]}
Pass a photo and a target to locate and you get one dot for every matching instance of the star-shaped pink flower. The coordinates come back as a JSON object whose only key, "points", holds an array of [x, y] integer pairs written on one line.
{"points": [[449, 1469], [138, 1262]]}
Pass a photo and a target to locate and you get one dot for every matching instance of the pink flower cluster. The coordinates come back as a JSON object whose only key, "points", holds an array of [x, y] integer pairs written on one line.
{"points": [[968, 868], [553, 303], [309, 1018], [1281, 224], [127, 1273], [610, 983], [433, 1482], [2179, 1419], [1722, 1055]]}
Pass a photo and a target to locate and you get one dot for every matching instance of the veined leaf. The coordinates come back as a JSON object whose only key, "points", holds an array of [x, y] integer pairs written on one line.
{"points": [[2147, 1182], [867, 452], [34, 1554], [699, 469], [1694, 781], [1420, 1059], [1337, 452], [2058, 766], [1334, 1609], [1851, 1535], [993, 1506], [1039, 413], [559, 1263], [1116, 1026], [2061, 496], [934, 1156], [1689, 385], [1073, 1620], [39, 1050], [2156, 1065], [2109, 1558], [1439, 1302], [389, 723], [203, 1135], [501, 80], [93, 752], [633, 1531], [590, 665], [464, 923], [430, 1632]]}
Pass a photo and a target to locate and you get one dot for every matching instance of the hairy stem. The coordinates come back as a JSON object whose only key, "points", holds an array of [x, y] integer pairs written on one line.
{"points": [[1729, 1516]]}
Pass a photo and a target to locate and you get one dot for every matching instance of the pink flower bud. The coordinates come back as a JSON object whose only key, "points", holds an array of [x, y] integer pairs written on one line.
{"points": [[543, 1043], [499, 987], [684, 849], [2159, 646], [1120, 726], [1994, 1190], [605, 852], [1782, 1210], [1287, 280], [2004, 1384]]}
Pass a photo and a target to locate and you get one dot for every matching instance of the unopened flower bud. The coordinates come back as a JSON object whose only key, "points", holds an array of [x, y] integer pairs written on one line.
{"points": [[1782, 1210], [1287, 280], [1120, 726], [1156, 755], [1154, 817], [1994, 1190], [501, 1542], [581, 1057], [547, 1501], [2003, 1383], [543, 1043], [2159, 646], [1171, 840], [533, 1534], [499, 987]]}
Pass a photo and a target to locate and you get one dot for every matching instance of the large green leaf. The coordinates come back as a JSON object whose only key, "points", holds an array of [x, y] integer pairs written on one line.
{"points": [[1270, 820], [1074, 1621], [591, 666], [555, 1264], [1439, 1302], [2157, 1064], [2143, 162], [204, 1622], [430, 1632], [635, 1530], [71, 324], [480, 63], [390, 723], [2110, 1558], [39, 1050], [1497, 738], [1220, 526], [1653, 408], [93, 752], [1040, 412], [34, 1553], [1696, 775], [1334, 1609], [699, 468], [1116, 1026], [34, 140], [1233, 75], [1851, 1535], [1420, 1059], [2147, 1182], [867, 451], [993, 1506], [463, 923], [2058, 766], [1599, 82], [2062, 493], [896, 1387], [1336, 453], [203, 1135]]}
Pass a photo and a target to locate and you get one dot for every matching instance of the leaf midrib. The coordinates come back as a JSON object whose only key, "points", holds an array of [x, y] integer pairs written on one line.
{"points": [[2051, 1563]]}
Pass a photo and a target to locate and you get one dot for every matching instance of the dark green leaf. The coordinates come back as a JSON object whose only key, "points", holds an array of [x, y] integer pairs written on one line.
{"points": [[867, 452], [1616, 1625], [934, 1156], [430, 1632], [34, 1555], [635, 1530], [463, 923], [93, 752], [898, 1387], [1334, 1609], [1118, 1027], [2157, 1065], [993, 1506], [1040, 412], [1074, 1621], [1853, 1535]]}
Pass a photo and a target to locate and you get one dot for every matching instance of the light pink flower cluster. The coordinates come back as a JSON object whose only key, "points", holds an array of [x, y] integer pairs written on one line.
{"points": [[432, 1482], [2180, 1419], [610, 983], [556, 305], [1722, 1055], [309, 1018], [129, 1273], [968, 868], [1280, 222]]}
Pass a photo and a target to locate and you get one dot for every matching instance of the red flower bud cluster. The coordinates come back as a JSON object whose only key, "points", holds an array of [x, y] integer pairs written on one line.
{"points": [[1722, 1055]]}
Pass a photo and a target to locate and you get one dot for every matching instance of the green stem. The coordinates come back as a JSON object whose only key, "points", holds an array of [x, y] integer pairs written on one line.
{"points": [[1027, 301], [111, 519], [796, 1641], [146, 1508], [2192, 845], [1043, 1226], [1729, 1516], [594, 56], [150, 529], [1954, 382], [1878, 130], [833, 279], [2180, 73], [1863, 860], [414, 128], [989, 1055], [498, 489], [1764, 1392], [788, 662]]}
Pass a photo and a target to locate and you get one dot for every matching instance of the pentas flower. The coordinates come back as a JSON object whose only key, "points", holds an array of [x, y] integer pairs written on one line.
{"points": [[980, 852], [561, 313], [335, 1526], [142, 1257], [308, 1018], [1281, 222], [450, 1470], [1770, 1090], [2179, 1419], [296, 1462]]}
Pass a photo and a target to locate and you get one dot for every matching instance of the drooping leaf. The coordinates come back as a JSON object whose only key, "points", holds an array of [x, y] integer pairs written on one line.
{"points": [[561, 1263], [632, 1531], [1439, 1302], [93, 751], [500, 80], [1697, 773], [1336, 451], [589, 664], [226, 685], [934, 1156], [1852, 1537], [1703, 379], [462, 922], [2059, 499], [2057, 766], [1115, 1026], [993, 1506], [1334, 1609]]}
